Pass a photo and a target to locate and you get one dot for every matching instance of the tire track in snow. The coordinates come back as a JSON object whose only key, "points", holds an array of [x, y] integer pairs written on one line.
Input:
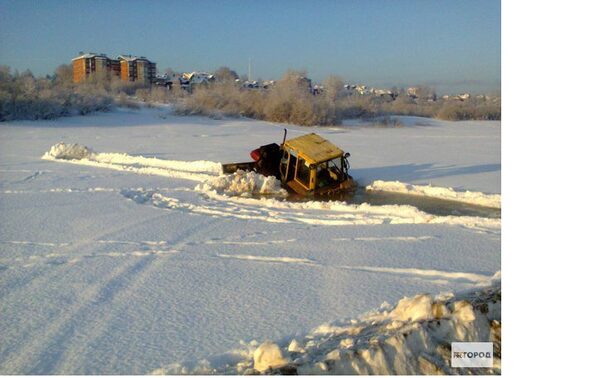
{"points": [[32, 176], [27, 357], [386, 238], [292, 260], [162, 247], [121, 298], [41, 282], [48, 351], [32, 243], [114, 295], [233, 242], [439, 276], [315, 213]]}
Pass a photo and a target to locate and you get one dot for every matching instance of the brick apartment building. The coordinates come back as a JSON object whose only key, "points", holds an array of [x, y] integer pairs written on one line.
{"points": [[136, 69], [127, 67]]}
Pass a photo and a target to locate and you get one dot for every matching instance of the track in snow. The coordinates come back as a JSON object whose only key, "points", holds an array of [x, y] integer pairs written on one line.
{"points": [[215, 199]]}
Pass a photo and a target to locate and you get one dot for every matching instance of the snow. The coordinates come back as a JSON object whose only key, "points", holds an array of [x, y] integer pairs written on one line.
{"points": [[414, 309], [242, 182], [476, 198], [218, 192], [79, 154], [135, 254], [412, 338], [268, 356], [68, 152]]}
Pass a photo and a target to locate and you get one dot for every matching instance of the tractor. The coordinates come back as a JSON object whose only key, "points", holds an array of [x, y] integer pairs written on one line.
{"points": [[308, 165]]}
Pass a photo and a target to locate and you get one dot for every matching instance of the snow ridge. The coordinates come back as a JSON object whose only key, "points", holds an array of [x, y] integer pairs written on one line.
{"points": [[208, 173], [200, 170], [331, 213], [475, 198], [413, 337]]}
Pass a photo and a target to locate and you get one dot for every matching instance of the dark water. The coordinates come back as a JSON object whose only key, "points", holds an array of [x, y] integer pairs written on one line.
{"points": [[429, 205]]}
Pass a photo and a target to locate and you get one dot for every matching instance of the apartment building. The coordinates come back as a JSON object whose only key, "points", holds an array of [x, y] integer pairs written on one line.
{"points": [[127, 67], [86, 64], [137, 69]]}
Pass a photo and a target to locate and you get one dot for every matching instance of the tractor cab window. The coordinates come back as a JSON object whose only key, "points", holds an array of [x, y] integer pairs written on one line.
{"points": [[303, 172], [291, 169], [329, 172], [283, 167]]}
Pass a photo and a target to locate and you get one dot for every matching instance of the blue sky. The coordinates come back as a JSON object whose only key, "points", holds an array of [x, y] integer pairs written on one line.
{"points": [[449, 45]]}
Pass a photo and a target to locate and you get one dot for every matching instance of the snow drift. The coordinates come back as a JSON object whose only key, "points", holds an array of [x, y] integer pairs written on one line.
{"points": [[243, 183], [475, 198], [200, 170], [66, 151], [208, 173], [413, 337]]}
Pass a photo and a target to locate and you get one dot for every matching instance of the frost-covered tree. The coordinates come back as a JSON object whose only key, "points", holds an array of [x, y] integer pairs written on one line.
{"points": [[225, 74], [334, 87]]}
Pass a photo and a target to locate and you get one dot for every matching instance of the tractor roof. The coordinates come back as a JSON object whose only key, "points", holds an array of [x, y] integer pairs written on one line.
{"points": [[313, 148]]}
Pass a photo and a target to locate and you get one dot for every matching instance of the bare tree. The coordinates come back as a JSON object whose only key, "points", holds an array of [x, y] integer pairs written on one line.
{"points": [[225, 74], [64, 74], [334, 86]]}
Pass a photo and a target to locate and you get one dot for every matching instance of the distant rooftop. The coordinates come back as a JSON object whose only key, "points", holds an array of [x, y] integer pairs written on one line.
{"points": [[89, 55], [131, 58]]}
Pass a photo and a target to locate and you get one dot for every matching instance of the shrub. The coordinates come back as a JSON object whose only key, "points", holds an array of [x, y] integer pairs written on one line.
{"points": [[289, 100], [453, 110]]}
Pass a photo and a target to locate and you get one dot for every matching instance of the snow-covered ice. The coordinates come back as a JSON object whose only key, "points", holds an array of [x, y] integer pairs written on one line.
{"points": [[129, 252], [414, 337]]}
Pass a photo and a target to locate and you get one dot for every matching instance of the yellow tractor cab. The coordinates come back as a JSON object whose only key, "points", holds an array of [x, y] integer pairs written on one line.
{"points": [[311, 165]]}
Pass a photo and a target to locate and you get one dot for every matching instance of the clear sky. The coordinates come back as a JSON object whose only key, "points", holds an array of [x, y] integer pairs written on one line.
{"points": [[451, 45]]}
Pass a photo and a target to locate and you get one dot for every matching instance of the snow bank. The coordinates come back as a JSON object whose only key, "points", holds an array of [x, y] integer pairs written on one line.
{"points": [[208, 173], [329, 213], [475, 198], [69, 151], [198, 171], [413, 337], [243, 183]]}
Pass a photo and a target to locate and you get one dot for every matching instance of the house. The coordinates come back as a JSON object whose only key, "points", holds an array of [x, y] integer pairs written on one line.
{"points": [[188, 80], [413, 92]]}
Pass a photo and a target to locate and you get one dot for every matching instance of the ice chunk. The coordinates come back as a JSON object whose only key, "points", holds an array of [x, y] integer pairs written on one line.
{"points": [[295, 346], [268, 355], [414, 309]]}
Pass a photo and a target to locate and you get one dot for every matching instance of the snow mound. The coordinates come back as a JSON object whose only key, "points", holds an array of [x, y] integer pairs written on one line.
{"points": [[68, 151], [413, 338], [243, 183], [475, 198]]}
